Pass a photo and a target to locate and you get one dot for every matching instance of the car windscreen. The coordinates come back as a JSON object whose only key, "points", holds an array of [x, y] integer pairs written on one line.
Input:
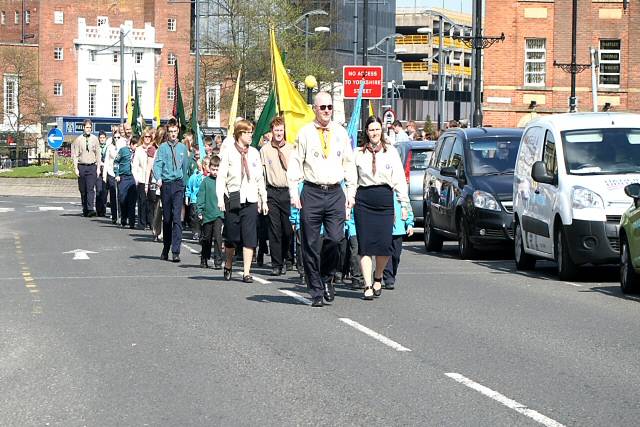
{"points": [[601, 151], [493, 156], [420, 159]]}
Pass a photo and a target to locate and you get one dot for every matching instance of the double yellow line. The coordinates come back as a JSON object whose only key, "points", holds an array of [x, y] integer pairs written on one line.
{"points": [[29, 282]]}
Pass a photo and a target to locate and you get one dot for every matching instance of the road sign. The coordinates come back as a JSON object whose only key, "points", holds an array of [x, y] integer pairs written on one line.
{"points": [[55, 138], [352, 75], [389, 117]]}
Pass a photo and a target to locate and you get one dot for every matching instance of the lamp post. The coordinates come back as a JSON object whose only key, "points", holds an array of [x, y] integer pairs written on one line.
{"points": [[305, 17], [385, 40]]}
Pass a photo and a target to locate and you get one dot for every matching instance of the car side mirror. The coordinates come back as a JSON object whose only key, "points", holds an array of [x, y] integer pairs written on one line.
{"points": [[633, 191], [539, 174], [449, 171]]}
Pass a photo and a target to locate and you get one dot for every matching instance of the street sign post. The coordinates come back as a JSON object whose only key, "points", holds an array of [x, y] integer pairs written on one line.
{"points": [[352, 76], [388, 118], [55, 138]]}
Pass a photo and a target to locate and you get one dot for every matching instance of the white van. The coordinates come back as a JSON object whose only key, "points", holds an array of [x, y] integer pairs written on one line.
{"points": [[568, 189]]}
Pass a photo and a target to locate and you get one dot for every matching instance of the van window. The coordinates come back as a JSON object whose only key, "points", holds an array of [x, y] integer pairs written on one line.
{"points": [[445, 152], [528, 148], [549, 154], [602, 151], [493, 156]]}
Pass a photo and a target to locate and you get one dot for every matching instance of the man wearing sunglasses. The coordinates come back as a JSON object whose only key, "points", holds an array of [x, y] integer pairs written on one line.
{"points": [[322, 161], [85, 152]]}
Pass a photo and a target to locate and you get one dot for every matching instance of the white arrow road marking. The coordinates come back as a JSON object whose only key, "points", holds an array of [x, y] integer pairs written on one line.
{"points": [[80, 254], [50, 208], [373, 334], [512, 404], [5, 210]]}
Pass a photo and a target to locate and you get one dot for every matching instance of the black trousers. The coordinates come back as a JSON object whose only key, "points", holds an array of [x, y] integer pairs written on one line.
{"points": [[113, 197], [87, 175], [212, 236], [279, 203], [328, 272], [127, 194], [391, 269], [320, 207], [101, 196], [354, 260], [195, 221], [152, 202], [143, 206], [172, 194]]}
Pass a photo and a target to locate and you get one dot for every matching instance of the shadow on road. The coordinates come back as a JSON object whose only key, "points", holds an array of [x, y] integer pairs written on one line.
{"points": [[280, 299], [613, 291]]}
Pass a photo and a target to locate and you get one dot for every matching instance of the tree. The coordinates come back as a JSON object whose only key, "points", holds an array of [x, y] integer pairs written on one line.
{"points": [[20, 67], [429, 129]]}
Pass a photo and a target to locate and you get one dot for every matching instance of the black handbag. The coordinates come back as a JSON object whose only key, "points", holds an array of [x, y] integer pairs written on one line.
{"points": [[233, 201]]}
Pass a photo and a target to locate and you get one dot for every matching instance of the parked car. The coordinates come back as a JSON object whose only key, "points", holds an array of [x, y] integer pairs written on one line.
{"points": [[467, 189], [568, 189], [415, 157], [630, 242]]}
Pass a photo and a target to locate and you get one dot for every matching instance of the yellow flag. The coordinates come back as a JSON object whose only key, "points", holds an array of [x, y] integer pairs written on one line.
{"points": [[291, 104], [371, 112], [129, 106], [156, 110], [233, 114]]}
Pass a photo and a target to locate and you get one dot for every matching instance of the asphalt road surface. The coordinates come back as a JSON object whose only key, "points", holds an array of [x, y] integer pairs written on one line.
{"points": [[122, 338]]}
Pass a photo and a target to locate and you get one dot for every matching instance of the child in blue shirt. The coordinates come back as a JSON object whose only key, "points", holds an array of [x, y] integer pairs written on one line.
{"points": [[191, 196], [400, 229]]}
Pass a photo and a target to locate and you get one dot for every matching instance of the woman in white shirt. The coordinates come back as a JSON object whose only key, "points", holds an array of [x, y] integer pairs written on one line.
{"points": [[242, 195], [380, 174], [139, 169]]}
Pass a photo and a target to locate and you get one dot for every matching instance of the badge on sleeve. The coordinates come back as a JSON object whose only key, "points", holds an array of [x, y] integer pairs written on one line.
{"points": [[338, 153]]}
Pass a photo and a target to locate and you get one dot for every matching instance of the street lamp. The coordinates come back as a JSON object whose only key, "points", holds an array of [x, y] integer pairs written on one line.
{"points": [[377, 45], [305, 17]]}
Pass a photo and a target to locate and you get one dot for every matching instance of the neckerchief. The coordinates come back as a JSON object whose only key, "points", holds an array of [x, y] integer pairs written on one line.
{"points": [[281, 156], [103, 151], [325, 139], [245, 163], [173, 154], [373, 150]]}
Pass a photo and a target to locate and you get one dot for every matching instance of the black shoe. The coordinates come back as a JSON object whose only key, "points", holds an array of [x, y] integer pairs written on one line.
{"points": [[227, 273], [175, 257], [377, 291], [283, 270], [289, 266], [247, 279], [91, 214], [85, 214], [196, 236], [329, 291], [132, 227], [317, 302], [368, 293], [337, 280], [260, 260], [217, 266], [275, 271], [114, 221], [204, 264], [389, 286], [164, 256]]}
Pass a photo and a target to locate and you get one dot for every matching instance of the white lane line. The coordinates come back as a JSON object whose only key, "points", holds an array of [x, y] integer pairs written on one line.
{"points": [[193, 251], [295, 296], [509, 403], [373, 334], [573, 284], [255, 278], [50, 208], [5, 210]]}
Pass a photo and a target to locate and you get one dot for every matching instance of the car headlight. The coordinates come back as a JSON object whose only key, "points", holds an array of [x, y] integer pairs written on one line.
{"points": [[583, 198], [484, 200]]}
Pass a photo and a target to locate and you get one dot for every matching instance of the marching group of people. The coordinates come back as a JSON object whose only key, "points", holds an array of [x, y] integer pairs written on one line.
{"points": [[334, 211]]}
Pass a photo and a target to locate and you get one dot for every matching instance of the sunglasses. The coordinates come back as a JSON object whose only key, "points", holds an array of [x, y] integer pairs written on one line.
{"points": [[147, 136], [325, 107]]}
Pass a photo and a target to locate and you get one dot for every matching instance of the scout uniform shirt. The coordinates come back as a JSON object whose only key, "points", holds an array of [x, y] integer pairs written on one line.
{"points": [[275, 171], [389, 171], [231, 179], [85, 150]]}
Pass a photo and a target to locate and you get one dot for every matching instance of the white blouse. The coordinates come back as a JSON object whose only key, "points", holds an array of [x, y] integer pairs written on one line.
{"points": [[389, 171], [252, 190]]}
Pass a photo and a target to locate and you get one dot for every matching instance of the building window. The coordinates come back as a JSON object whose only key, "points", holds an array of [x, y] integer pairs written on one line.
{"points": [[27, 16], [92, 100], [102, 20], [58, 53], [171, 24], [92, 55], [10, 98], [139, 90], [3, 18], [57, 89], [115, 57], [115, 100], [138, 56], [171, 59], [535, 62], [16, 18], [609, 56], [171, 94], [58, 17], [213, 102]]}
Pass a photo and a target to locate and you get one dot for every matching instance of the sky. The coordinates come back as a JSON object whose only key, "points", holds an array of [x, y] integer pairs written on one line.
{"points": [[458, 5]]}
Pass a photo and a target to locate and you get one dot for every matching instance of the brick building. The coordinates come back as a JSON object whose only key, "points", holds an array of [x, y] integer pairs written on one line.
{"points": [[519, 74]]}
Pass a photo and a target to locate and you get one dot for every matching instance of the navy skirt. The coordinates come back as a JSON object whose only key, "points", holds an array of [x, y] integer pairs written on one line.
{"points": [[374, 213]]}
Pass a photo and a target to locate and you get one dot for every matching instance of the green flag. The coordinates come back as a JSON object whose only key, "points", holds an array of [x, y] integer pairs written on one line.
{"points": [[178, 106], [137, 121], [264, 122]]}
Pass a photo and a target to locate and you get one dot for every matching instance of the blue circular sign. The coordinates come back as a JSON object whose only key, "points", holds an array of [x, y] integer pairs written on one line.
{"points": [[55, 138]]}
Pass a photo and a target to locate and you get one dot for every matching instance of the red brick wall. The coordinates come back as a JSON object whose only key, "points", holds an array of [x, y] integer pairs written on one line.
{"points": [[11, 32]]}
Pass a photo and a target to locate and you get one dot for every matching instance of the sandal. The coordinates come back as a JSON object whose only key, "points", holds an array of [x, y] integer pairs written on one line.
{"points": [[227, 273], [247, 279], [368, 293], [377, 291]]}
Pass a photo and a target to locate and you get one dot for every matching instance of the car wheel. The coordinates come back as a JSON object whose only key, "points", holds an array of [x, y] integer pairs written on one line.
{"points": [[524, 261], [432, 241], [465, 247], [629, 279], [567, 269]]}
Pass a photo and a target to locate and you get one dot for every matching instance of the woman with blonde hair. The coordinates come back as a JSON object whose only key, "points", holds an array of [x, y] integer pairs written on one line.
{"points": [[242, 195]]}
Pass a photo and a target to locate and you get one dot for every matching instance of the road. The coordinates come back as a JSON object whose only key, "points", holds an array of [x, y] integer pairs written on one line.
{"points": [[123, 338]]}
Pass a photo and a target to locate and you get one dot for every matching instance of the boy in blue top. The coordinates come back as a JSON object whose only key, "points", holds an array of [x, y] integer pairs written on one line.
{"points": [[169, 168], [191, 195], [400, 229], [127, 193]]}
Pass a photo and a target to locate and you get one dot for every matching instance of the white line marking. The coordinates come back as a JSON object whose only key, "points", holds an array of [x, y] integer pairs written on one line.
{"points": [[50, 208], [5, 210], [373, 334], [193, 251], [295, 296], [509, 403], [573, 284], [255, 278]]}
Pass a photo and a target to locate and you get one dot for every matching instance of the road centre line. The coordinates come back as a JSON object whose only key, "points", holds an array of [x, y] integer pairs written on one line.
{"points": [[295, 296], [500, 398], [50, 208], [193, 251], [373, 334]]}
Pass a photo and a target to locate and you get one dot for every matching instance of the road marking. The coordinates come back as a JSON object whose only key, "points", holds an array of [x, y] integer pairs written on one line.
{"points": [[29, 284], [80, 254], [509, 403], [50, 208], [295, 296], [373, 334], [5, 210], [573, 284], [193, 251], [255, 278]]}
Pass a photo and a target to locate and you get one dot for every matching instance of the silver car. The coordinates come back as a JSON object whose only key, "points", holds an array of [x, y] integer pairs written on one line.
{"points": [[415, 157]]}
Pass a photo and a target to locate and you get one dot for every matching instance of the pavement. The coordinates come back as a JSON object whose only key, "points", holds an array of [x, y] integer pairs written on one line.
{"points": [[44, 187], [122, 338]]}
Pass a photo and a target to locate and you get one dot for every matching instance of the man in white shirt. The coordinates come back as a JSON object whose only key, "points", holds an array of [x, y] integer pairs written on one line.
{"points": [[323, 160], [401, 135]]}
